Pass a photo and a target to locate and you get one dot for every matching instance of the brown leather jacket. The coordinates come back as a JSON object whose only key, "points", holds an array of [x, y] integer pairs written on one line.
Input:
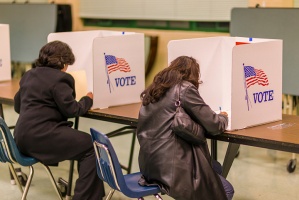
{"points": [[182, 170]]}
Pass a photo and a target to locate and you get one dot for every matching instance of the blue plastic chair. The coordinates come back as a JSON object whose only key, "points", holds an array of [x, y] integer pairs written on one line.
{"points": [[109, 170], [10, 154]]}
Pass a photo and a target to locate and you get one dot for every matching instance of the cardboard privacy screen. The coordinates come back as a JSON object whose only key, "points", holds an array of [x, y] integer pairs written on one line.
{"points": [[81, 44], [118, 73], [5, 61], [243, 76], [113, 62]]}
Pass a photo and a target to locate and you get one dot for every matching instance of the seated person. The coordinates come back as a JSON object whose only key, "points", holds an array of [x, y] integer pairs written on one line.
{"points": [[183, 170], [45, 100]]}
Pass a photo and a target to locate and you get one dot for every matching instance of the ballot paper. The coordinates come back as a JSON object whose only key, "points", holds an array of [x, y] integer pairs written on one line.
{"points": [[80, 83]]}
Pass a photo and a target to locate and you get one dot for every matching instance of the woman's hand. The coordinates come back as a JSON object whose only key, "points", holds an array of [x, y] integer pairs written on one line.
{"points": [[90, 95], [224, 113]]}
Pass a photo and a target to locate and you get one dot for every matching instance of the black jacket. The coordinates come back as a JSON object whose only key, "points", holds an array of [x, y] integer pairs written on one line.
{"points": [[45, 101], [182, 170]]}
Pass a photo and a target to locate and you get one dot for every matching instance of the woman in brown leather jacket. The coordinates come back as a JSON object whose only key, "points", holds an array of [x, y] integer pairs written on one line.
{"points": [[183, 170]]}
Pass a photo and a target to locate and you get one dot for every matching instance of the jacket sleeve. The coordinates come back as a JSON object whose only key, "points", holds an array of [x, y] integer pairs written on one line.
{"points": [[201, 113], [64, 96]]}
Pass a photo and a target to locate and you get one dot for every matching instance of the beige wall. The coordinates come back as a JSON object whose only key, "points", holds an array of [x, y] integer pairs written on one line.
{"points": [[77, 23], [271, 3]]}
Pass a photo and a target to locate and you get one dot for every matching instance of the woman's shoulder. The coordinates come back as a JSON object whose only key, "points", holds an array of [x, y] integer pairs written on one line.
{"points": [[54, 74], [183, 87], [65, 77], [189, 90], [186, 85], [57, 73]]}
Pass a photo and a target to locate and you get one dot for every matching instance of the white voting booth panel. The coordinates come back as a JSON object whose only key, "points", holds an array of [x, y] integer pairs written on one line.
{"points": [[118, 70], [5, 62], [81, 44], [242, 76], [124, 50]]}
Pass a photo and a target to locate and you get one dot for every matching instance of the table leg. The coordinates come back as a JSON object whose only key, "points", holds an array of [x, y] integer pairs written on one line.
{"points": [[70, 181], [123, 131], [131, 152], [214, 149], [71, 169], [230, 155], [1, 111]]}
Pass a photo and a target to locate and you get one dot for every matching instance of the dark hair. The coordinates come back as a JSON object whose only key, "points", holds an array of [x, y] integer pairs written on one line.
{"points": [[55, 55], [183, 68]]}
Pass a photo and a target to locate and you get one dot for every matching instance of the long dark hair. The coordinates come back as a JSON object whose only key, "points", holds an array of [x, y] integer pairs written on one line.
{"points": [[180, 69], [55, 55]]}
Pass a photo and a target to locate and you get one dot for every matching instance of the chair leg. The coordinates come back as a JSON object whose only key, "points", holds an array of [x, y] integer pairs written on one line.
{"points": [[53, 181], [14, 174], [70, 181], [158, 196], [110, 194], [31, 172], [131, 152]]}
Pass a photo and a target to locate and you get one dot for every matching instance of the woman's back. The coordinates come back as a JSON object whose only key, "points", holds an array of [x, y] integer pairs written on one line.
{"points": [[168, 160]]}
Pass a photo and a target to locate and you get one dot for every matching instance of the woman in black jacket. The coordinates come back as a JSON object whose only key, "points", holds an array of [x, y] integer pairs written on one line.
{"points": [[181, 169], [45, 101]]}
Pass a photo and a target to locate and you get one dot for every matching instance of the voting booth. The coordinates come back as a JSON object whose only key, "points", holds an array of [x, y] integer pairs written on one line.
{"points": [[241, 76], [5, 61], [111, 62]]}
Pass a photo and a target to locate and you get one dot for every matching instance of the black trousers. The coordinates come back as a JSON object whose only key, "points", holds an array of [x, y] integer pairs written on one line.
{"points": [[88, 185], [228, 188]]}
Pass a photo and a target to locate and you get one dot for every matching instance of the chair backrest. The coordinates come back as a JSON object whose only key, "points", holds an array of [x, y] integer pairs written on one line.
{"points": [[8, 149], [108, 166], [5, 154]]}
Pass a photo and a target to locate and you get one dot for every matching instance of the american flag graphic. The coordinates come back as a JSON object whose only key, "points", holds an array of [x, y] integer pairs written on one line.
{"points": [[255, 76], [113, 64]]}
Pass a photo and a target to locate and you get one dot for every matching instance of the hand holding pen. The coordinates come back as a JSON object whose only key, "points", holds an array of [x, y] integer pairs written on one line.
{"points": [[222, 112]]}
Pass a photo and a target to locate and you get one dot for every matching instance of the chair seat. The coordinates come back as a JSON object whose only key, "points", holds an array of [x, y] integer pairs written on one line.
{"points": [[10, 154], [109, 170], [26, 161], [135, 190]]}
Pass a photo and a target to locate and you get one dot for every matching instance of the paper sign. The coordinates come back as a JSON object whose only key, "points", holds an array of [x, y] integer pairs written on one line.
{"points": [[80, 83]]}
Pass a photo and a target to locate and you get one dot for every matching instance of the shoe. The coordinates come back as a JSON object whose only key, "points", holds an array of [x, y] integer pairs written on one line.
{"points": [[12, 181]]}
